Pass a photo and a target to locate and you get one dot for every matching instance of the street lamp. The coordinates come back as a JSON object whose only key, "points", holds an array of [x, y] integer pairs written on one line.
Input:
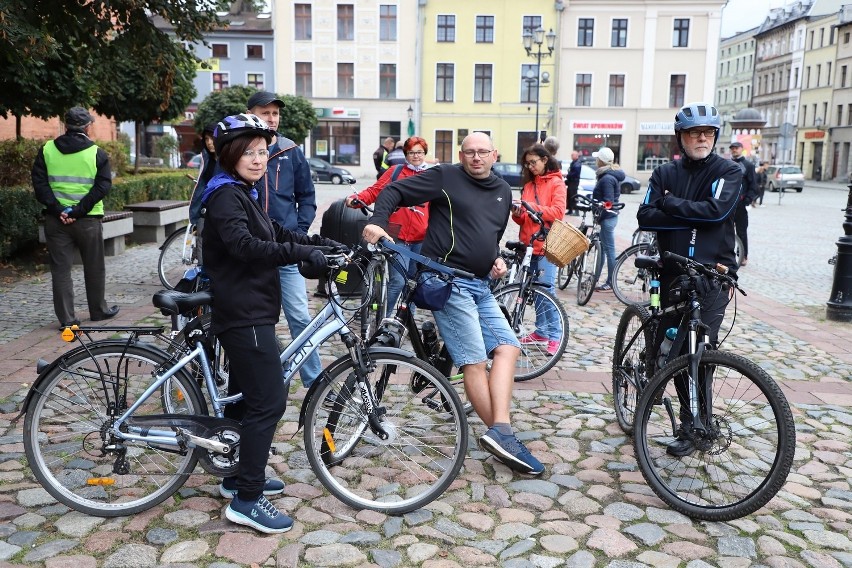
{"points": [[410, 112], [538, 37]]}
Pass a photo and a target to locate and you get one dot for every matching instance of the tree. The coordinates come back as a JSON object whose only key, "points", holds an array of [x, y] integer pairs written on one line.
{"points": [[297, 118]]}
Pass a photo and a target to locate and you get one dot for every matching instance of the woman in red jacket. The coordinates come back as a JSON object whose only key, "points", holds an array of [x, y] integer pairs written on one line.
{"points": [[412, 221], [544, 191]]}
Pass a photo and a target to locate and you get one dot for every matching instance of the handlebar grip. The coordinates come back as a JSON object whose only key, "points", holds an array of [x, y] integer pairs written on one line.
{"points": [[676, 257], [536, 216]]}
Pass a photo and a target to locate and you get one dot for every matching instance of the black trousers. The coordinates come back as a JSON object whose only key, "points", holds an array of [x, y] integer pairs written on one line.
{"points": [[255, 370], [86, 234], [741, 223], [571, 203]]}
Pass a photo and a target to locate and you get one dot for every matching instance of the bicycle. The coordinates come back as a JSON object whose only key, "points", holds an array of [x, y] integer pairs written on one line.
{"points": [[114, 427], [733, 414], [177, 255], [590, 263]]}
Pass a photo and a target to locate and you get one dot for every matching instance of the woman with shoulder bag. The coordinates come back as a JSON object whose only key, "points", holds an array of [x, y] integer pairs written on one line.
{"points": [[608, 190], [544, 190]]}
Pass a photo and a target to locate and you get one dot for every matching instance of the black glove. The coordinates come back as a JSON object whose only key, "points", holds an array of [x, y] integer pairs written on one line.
{"points": [[313, 267], [336, 246]]}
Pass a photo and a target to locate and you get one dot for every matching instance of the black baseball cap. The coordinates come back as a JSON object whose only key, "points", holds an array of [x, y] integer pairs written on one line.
{"points": [[263, 98], [736, 145]]}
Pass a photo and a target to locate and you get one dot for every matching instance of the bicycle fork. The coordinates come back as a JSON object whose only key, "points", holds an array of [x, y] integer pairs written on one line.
{"points": [[363, 365]]}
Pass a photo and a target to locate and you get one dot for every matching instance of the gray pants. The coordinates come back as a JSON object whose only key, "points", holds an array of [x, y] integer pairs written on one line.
{"points": [[87, 234]]}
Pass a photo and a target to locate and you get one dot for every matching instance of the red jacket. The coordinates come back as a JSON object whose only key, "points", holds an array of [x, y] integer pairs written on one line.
{"points": [[545, 193], [412, 223]]}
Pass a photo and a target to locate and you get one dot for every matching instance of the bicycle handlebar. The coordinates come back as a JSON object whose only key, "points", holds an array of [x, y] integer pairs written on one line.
{"points": [[426, 261], [365, 209], [605, 205], [719, 271]]}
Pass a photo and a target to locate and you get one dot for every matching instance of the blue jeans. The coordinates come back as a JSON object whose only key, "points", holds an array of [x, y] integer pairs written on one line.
{"points": [[472, 323], [294, 302], [608, 243], [396, 281], [547, 322]]}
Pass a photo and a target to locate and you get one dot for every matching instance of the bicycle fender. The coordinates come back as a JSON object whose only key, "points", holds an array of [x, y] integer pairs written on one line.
{"points": [[325, 375], [44, 369]]}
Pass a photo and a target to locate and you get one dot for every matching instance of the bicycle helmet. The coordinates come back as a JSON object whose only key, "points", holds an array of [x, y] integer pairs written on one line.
{"points": [[232, 127], [697, 114]]}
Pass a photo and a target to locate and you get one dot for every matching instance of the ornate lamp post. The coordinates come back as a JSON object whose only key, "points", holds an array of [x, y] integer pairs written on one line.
{"points": [[839, 305], [538, 37]]}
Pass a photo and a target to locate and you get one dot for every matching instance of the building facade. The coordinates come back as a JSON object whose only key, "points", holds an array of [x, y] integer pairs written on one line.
{"points": [[733, 85], [626, 70], [839, 159]]}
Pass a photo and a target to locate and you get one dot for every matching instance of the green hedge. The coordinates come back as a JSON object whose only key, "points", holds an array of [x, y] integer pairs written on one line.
{"points": [[20, 213], [17, 157]]}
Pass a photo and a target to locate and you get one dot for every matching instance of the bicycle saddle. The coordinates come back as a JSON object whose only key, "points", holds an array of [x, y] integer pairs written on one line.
{"points": [[172, 302], [649, 262]]}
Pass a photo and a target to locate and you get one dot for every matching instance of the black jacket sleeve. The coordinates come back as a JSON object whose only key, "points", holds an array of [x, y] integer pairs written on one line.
{"points": [[41, 187]]}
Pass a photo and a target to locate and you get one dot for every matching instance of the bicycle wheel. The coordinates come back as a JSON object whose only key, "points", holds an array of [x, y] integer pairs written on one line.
{"points": [[738, 249], [565, 274], [541, 324], [66, 423], [743, 461], [631, 284], [176, 256], [421, 457], [374, 297], [589, 271], [630, 371]]}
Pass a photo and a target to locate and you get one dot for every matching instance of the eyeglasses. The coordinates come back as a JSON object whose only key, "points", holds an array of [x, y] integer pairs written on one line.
{"points": [[259, 153], [696, 133], [480, 153], [415, 153], [531, 163]]}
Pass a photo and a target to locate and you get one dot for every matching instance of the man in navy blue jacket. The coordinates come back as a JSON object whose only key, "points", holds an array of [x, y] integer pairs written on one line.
{"points": [[287, 195]]}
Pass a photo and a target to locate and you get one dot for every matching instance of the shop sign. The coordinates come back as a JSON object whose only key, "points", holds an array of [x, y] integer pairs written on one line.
{"points": [[656, 128], [338, 112], [610, 125], [814, 134]]}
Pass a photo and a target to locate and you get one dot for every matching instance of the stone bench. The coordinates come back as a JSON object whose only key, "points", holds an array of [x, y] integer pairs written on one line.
{"points": [[154, 220], [116, 224]]}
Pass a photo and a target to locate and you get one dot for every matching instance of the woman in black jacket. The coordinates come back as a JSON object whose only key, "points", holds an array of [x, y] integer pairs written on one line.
{"points": [[242, 249]]}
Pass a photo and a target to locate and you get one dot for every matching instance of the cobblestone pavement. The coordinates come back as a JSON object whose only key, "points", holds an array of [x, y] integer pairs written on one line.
{"points": [[591, 507]]}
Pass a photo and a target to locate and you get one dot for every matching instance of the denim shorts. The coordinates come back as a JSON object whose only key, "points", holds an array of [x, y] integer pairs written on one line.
{"points": [[472, 324]]}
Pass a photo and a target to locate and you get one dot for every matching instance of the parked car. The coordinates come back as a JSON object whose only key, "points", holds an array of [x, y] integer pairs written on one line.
{"points": [[194, 162], [785, 177], [327, 172], [509, 172]]}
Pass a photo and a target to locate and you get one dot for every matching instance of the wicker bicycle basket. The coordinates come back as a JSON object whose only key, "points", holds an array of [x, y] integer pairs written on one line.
{"points": [[564, 243]]}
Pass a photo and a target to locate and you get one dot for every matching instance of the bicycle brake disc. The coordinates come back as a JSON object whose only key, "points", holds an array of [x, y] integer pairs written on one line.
{"points": [[221, 464]]}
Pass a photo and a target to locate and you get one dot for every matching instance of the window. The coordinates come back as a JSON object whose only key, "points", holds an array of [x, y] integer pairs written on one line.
{"points": [[304, 79], [677, 90], [446, 28], [839, 115], [849, 115], [528, 87], [387, 22], [254, 51], [341, 141], [219, 50], [818, 74], [444, 146], [444, 83], [843, 76], [583, 96], [531, 23], [482, 79], [619, 33], [220, 81], [387, 81], [616, 90], [389, 129], [585, 32], [302, 23], [680, 37], [255, 80], [655, 150], [485, 29], [846, 37], [345, 22], [346, 80]]}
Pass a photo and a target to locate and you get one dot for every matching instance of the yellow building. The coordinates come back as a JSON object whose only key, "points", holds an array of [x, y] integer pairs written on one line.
{"points": [[477, 76]]}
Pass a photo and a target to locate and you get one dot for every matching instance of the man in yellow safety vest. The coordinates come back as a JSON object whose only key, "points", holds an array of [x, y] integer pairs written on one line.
{"points": [[71, 176]]}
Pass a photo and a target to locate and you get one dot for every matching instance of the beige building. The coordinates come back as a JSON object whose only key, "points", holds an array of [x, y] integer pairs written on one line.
{"points": [[733, 84], [625, 70]]}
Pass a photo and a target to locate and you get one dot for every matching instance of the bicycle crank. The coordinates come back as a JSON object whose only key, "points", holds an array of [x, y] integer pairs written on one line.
{"points": [[218, 451]]}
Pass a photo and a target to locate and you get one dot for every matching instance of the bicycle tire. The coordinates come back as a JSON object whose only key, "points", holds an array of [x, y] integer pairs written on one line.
{"points": [[405, 472], [63, 428], [566, 274], [172, 264], [630, 370], [738, 249], [535, 358], [631, 285], [589, 272], [745, 464], [374, 297]]}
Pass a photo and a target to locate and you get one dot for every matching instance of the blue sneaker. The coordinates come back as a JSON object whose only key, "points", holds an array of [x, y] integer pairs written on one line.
{"points": [[259, 514], [228, 487], [510, 451]]}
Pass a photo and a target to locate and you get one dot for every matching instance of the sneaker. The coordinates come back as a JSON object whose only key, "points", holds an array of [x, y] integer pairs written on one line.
{"points": [[552, 346], [604, 288], [510, 451], [532, 338], [228, 487], [259, 514]]}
